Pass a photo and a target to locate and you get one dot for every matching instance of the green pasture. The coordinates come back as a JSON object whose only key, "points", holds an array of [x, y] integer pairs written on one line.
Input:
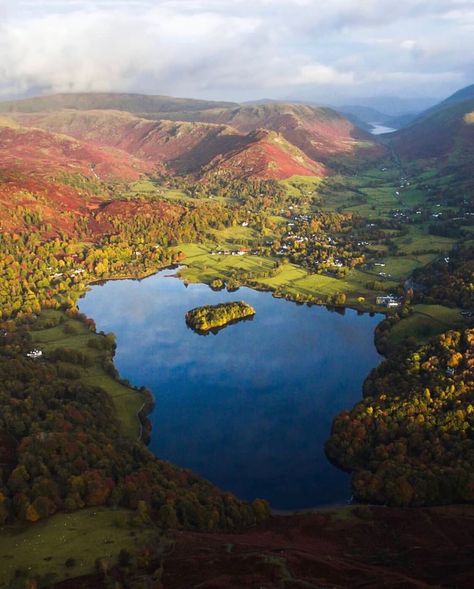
{"points": [[82, 537], [73, 334], [419, 240], [201, 266], [426, 322]]}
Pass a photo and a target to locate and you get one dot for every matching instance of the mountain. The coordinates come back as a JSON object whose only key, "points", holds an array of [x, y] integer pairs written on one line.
{"points": [[444, 131], [183, 147], [61, 166], [364, 116], [302, 140], [267, 154], [392, 106], [321, 133], [56, 178], [33, 150], [460, 96], [134, 103]]}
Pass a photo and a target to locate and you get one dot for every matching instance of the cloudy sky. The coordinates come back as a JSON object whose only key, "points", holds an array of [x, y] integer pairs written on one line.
{"points": [[321, 50]]}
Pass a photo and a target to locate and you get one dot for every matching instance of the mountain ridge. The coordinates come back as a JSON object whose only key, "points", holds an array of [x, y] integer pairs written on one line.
{"points": [[131, 102]]}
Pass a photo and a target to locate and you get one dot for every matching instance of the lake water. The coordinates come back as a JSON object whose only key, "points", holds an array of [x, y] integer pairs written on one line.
{"points": [[251, 407], [379, 129]]}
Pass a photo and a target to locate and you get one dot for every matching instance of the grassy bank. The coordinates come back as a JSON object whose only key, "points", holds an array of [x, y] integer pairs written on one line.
{"points": [[67, 545], [426, 322], [72, 334], [291, 280]]}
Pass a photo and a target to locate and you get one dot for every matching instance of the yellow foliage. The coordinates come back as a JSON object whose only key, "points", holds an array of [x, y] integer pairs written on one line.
{"points": [[469, 118], [31, 514], [455, 360]]}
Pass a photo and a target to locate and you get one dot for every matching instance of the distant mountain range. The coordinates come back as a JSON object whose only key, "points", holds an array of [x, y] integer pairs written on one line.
{"points": [[55, 149], [134, 103], [365, 117], [274, 140], [444, 132]]}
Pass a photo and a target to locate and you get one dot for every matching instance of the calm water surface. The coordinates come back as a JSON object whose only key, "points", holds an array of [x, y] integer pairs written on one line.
{"points": [[379, 129], [251, 407]]}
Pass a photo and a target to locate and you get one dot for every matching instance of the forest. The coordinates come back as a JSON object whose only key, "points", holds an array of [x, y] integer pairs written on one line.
{"points": [[63, 444], [63, 449], [209, 317], [411, 440]]}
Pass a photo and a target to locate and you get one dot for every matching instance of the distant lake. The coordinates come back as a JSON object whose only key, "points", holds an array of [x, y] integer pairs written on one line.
{"points": [[251, 407], [378, 129]]}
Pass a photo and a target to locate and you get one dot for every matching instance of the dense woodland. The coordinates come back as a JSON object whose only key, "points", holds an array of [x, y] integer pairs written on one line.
{"points": [[450, 280], [210, 317], [62, 449], [411, 440]]}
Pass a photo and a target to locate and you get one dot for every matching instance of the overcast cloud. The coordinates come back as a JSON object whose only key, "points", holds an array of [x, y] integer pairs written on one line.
{"points": [[238, 49]]}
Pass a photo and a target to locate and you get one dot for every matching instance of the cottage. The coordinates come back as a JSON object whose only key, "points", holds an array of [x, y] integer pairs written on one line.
{"points": [[388, 301]]}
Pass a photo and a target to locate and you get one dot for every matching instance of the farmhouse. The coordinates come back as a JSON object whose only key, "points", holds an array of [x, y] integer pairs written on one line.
{"points": [[389, 301]]}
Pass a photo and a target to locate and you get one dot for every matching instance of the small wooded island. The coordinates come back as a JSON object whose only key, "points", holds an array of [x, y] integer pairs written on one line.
{"points": [[213, 317]]}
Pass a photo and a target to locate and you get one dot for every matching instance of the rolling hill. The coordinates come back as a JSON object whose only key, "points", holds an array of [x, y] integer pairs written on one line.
{"points": [[134, 103], [184, 147], [266, 155], [461, 95], [56, 178], [445, 131], [321, 133], [61, 154], [309, 138]]}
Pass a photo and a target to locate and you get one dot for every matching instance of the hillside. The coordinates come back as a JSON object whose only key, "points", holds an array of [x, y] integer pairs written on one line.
{"points": [[134, 103], [55, 178], [364, 116], [320, 133], [184, 147], [461, 95], [266, 155], [44, 151], [444, 132]]}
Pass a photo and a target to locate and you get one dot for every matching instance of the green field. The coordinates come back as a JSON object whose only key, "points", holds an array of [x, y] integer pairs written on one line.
{"points": [[293, 280], [372, 194], [419, 240], [42, 549], [426, 322], [234, 236], [400, 267], [298, 186], [73, 334], [202, 266]]}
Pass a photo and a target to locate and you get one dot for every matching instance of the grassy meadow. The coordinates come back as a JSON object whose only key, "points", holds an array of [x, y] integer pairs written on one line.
{"points": [[78, 539], [73, 334], [425, 322]]}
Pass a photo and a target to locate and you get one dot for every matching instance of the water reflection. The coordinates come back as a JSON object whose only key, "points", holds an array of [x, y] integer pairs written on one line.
{"points": [[250, 407]]}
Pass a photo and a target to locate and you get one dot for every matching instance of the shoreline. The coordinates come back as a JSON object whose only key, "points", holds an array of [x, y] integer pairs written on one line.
{"points": [[145, 427]]}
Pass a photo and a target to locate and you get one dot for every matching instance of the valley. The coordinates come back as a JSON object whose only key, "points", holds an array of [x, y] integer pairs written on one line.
{"points": [[98, 193]]}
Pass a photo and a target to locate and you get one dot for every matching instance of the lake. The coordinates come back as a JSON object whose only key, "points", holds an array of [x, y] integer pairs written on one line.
{"points": [[251, 407], [379, 129]]}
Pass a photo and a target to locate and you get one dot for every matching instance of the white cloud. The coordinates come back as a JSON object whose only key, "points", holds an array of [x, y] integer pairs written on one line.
{"points": [[316, 73], [239, 49]]}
